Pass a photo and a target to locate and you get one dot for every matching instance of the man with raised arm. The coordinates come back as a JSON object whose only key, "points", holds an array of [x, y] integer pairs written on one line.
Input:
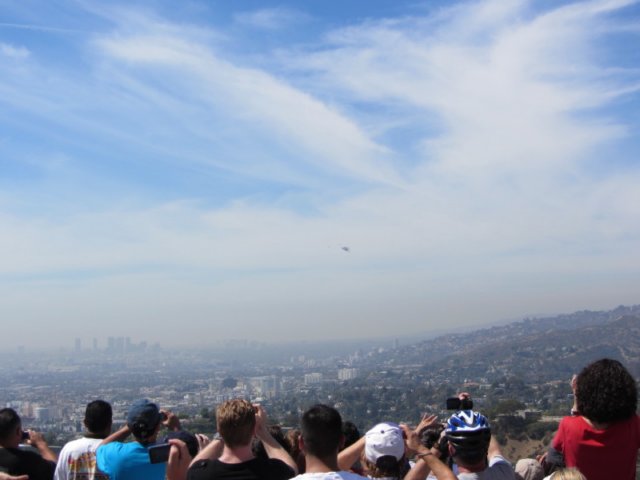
{"points": [[16, 461], [130, 461], [77, 459], [383, 446], [238, 421], [474, 450]]}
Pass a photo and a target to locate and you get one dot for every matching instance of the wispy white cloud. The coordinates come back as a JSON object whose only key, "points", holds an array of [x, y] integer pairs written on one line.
{"points": [[13, 51], [271, 18], [322, 134], [37, 28]]}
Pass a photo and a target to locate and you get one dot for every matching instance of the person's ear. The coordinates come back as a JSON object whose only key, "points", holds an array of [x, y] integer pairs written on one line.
{"points": [[301, 443], [452, 450]]}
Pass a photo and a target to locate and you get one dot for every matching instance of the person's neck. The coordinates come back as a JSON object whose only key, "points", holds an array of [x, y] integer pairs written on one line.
{"points": [[238, 454], [10, 441], [321, 465], [478, 467], [147, 441]]}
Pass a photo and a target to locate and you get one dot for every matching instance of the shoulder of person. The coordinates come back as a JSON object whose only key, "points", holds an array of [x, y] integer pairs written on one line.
{"points": [[351, 476], [499, 460], [200, 465], [111, 447], [278, 466], [274, 461], [200, 470], [30, 455]]}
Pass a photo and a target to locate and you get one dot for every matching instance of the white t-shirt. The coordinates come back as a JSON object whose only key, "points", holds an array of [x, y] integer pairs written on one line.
{"points": [[330, 476], [77, 461], [498, 469]]}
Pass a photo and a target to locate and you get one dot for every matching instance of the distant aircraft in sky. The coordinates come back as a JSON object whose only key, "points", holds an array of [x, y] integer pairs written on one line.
{"points": [[346, 249]]}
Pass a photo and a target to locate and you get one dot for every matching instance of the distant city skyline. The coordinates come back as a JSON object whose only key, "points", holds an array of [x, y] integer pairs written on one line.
{"points": [[313, 170]]}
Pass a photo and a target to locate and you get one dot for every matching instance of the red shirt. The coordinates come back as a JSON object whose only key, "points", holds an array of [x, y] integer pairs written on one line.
{"points": [[600, 454]]}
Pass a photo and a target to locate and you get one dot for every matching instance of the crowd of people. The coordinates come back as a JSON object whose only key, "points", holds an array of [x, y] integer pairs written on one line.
{"points": [[598, 441]]}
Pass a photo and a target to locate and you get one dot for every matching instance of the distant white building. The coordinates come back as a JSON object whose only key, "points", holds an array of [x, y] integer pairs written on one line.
{"points": [[347, 373], [312, 378]]}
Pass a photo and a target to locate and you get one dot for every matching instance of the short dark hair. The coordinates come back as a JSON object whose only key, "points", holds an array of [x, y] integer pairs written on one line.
{"points": [[468, 455], [351, 433], [9, 420], [98, 416], [321, 427], [430, 436], [606, 392]]}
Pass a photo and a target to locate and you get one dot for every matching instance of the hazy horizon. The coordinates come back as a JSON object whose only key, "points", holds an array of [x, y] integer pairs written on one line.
{"points": [[318, 170]]}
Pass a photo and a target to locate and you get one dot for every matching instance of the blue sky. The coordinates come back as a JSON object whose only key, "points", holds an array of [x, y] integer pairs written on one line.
{"points": [[190, 174]]}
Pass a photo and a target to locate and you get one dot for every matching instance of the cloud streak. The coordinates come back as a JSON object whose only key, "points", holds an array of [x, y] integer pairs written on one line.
{"points": [[271, 18]]}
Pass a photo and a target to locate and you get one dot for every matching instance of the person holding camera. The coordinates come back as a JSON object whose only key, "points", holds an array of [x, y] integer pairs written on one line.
{"points": [[385, 449], [471, 446], [15, 461], [602, 436], [381, 452], [238, 422], [131, 461]]}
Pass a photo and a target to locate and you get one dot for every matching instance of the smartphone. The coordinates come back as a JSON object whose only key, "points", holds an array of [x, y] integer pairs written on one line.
{"points": [[25, 435], [159, 453]]}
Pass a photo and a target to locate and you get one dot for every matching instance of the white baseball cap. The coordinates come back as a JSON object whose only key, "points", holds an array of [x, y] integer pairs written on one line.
{"points": [[385, 439]]}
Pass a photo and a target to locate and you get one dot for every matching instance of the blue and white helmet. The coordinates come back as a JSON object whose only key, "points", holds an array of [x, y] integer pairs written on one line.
{"points": [[469, 431], [467, 421]]}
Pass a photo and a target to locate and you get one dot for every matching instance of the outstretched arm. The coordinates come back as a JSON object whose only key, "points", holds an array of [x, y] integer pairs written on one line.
{"points": [[5, 476], [117, 436], [426, 421], [179, 460], [37, 440], [171, 421], [574, 387], [212, 451], [271, 445], [351, 454], [494, 448]]}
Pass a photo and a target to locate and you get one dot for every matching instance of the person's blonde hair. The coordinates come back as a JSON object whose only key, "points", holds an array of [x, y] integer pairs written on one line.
{"points": [[568, 474], [236, 421]]}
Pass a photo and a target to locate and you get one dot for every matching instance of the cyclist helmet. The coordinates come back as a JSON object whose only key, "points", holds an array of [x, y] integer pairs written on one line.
{"points": [[469, 433]]}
